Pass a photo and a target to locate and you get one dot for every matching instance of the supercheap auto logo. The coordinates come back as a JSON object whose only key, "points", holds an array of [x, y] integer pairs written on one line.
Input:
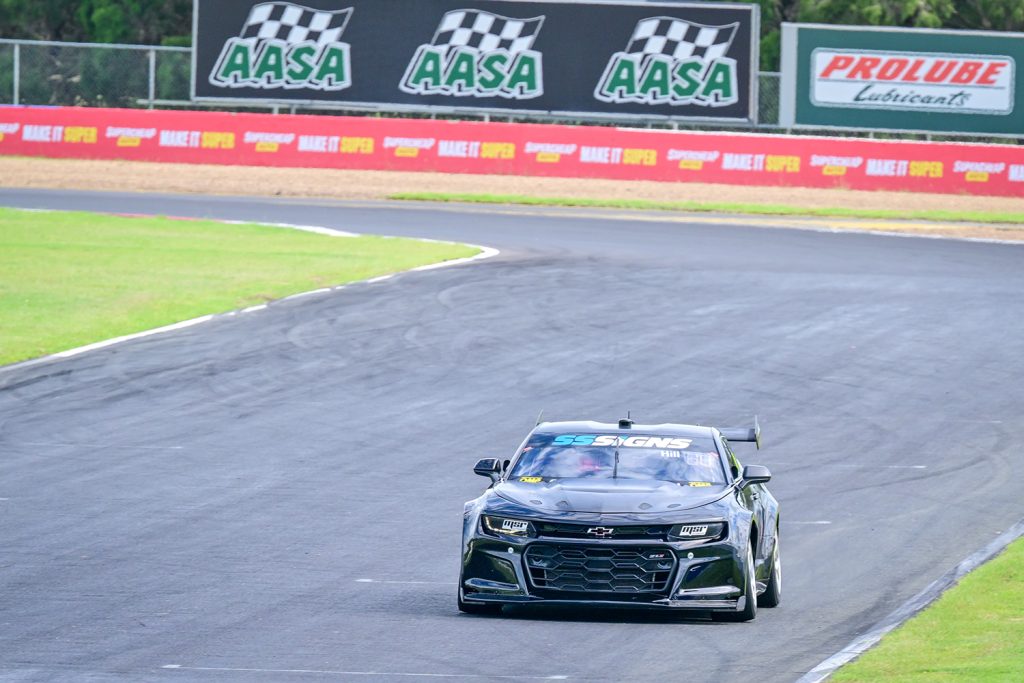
{"points": [[479, 54], [283, 45], [673, 61]]}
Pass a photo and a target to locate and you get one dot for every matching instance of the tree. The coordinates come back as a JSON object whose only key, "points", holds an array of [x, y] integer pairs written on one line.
{"points": [[989, 15], [143, 22], [908, 13]]}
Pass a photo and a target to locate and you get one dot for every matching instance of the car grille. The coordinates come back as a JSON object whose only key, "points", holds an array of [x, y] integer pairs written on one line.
{"points": [[602, 569], [623, 533]]}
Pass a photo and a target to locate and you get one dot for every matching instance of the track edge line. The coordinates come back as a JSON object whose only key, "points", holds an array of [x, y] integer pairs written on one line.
{"points": [[485, 253], [913, 606]]}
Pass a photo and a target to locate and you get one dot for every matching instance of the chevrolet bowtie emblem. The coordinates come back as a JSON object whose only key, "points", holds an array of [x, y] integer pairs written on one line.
{"points": [[600, 531]]}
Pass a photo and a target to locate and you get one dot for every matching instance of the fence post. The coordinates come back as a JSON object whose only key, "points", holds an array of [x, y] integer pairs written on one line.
{"points": [[152, 77], [17, 73]]}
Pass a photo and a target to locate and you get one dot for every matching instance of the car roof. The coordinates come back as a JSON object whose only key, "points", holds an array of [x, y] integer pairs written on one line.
{"points": [[589, 427]]}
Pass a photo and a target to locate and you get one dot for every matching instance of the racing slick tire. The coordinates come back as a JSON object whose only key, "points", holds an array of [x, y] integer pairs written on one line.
{"points": [[749, 610], [477, 608], [773, 592]]}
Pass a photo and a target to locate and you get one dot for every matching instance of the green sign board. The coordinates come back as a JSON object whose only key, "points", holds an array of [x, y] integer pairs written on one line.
{"points": [[870, 78]]}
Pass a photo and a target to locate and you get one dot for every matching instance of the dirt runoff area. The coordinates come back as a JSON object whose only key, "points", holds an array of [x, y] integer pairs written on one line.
{"points": [[21, 172]]}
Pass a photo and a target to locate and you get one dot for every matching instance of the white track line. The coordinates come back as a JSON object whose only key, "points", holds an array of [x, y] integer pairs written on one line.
{"points": [[330, 232], [485, 253], [814, 522], [411, 583], [128, 337], [912, 606], [321, 672]]}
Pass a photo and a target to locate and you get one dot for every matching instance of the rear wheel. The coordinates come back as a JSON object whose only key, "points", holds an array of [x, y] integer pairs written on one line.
{"points": [[749, 610], [476, 607], [773, 593]]}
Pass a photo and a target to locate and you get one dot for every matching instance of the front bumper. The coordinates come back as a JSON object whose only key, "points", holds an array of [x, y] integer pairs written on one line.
{"points": [[625, 574]]}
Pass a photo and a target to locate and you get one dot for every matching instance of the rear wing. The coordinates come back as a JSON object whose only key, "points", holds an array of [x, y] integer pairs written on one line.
{"points": [[752, 434]]}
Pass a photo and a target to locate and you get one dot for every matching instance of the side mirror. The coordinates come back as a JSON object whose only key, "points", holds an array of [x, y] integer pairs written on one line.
{"points": [[756, 474], [488, 467]]}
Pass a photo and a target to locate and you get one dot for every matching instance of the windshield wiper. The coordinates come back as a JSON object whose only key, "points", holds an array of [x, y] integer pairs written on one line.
{"points": [[615, 469]]}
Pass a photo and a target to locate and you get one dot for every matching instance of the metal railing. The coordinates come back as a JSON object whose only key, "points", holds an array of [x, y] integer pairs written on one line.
{"points": [[149, 76], [96, 75]]}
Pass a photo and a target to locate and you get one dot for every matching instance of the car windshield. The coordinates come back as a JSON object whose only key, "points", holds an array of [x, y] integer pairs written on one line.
{"points": [[665, 458]]}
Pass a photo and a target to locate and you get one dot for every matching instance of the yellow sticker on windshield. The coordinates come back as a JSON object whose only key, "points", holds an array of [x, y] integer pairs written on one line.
{"points": [[531, 480], [699, 484]]}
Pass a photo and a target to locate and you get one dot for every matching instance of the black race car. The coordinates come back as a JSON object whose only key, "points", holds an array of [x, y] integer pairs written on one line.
{"points": [[625, 515]]}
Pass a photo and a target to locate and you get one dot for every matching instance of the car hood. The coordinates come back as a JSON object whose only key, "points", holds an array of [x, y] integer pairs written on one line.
{"points": [[609, 496]]}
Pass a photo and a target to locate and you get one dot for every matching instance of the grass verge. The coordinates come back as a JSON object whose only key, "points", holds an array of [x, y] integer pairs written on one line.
{"points": [[69, 279], [719, 207], [974, 632]]}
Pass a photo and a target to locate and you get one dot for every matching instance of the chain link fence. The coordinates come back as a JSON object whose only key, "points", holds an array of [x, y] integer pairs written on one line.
{"points": [[769, 91], [140, 76], [7, 85], [82, 74]]}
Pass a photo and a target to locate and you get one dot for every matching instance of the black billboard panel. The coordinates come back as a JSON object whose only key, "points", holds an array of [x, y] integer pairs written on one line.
{"points": [[634, 60]]}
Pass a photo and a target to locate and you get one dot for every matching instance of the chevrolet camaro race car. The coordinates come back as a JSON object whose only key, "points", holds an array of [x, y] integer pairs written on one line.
{"points": [[624, 515]]}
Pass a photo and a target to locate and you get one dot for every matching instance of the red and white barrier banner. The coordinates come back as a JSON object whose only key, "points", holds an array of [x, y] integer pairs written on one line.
{"points": [[516, 149]]}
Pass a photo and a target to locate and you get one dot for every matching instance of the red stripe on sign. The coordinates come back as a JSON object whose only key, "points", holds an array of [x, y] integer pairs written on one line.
{"points": [[197, 137]]}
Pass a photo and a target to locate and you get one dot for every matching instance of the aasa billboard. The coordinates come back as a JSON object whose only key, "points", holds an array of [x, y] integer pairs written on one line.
{"points": [[902, 79], [636, 60]]}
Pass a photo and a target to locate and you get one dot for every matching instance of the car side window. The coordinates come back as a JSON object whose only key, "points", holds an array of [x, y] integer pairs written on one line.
{"points": [[734, 463]]}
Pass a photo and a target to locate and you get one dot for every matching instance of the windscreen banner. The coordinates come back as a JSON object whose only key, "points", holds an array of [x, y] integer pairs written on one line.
{"points": [[902, 79], [635, 60], [520, 149]]}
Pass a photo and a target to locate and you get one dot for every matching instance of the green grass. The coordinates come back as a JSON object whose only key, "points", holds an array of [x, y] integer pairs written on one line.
{"points": [[974, 632], [69, 279], [719, 207]]}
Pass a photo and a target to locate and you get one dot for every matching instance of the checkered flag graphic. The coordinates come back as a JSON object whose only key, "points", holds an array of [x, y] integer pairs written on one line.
{"points": [[295, 23], [680, 39], [486, 31]]}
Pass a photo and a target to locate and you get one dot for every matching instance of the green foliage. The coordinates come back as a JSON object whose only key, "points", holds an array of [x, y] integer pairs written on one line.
{"points": [[143, 22], [996, 15], [991, 15], [909, 13]]}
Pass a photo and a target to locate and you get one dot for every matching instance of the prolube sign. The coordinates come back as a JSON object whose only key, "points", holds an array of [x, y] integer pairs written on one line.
{"points": [[918, 81], [580, 59], [902, 79]]}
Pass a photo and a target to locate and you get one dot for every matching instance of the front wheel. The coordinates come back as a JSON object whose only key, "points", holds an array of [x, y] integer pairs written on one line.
{"points": [[749, 610], [476, 607], [773, 593]]}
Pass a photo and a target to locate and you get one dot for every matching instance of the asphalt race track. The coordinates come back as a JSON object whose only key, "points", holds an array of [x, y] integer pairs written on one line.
{"points": [[277, 496]]}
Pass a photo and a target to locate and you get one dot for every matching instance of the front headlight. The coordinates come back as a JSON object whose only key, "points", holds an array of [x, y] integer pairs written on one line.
{"points": [[503, 526], [702, 531]]}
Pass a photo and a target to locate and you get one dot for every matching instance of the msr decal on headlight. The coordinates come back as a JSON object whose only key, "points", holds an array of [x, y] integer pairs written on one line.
{"points": [[514, 526]]}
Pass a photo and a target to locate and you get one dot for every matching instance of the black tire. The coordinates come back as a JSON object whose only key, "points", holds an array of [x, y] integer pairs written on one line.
{"points": [[749, 610], [772, 595], [476, 607]]}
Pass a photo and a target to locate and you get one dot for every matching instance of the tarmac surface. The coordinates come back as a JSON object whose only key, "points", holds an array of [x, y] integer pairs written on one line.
{"points": [[277, 496]]}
